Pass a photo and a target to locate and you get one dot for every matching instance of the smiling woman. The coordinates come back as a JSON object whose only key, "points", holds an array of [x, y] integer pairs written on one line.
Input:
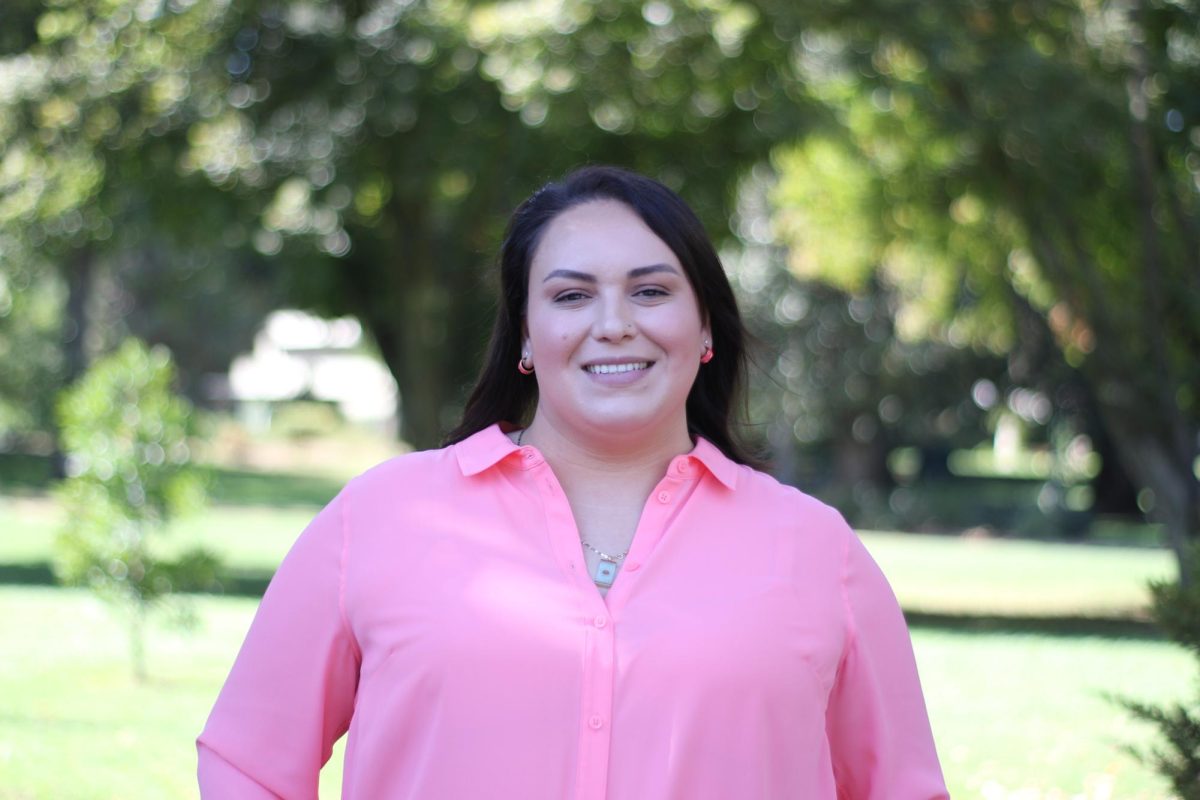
{"points": [[640, 231], [588, 593], [614, 330]]}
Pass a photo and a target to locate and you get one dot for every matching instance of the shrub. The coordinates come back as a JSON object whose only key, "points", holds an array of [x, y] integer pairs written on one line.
{"points": [[125, 435], [1176, 609]]}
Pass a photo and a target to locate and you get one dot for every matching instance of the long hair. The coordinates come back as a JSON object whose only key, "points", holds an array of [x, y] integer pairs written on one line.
{"points": [[503, 394]]}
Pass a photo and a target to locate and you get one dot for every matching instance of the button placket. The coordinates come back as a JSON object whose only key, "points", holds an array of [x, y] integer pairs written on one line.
{"points": [[596, 709], [600, 615], [661, 507], [561, 529], [596, 678], [600, 661]]}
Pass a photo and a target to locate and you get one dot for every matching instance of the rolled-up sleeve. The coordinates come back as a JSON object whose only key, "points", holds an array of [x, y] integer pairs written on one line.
{"points": [[290, 694], [878, 729]]}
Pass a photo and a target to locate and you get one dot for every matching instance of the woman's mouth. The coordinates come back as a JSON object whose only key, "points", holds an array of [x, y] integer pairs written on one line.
{"points": [[612, 369]]}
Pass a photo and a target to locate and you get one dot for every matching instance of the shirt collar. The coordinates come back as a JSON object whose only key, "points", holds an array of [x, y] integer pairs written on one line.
{"points": [[722, 467], [483, 450], [490, 446]]}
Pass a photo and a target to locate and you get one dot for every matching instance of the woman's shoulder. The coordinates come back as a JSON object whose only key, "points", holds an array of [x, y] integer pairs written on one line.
{"points": [[436, 470], [409, 470], [767, 491]]}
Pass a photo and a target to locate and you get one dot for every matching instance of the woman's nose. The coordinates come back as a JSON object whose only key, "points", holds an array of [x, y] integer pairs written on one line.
{"points": [[613, 322]]}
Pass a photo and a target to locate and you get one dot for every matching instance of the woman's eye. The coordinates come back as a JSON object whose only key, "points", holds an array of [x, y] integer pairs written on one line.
{"points": [[651, 291], [569, 297]]}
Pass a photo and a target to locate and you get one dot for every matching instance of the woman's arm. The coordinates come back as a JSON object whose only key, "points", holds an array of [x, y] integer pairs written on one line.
{"points": [[290, 693], [878, 729]]}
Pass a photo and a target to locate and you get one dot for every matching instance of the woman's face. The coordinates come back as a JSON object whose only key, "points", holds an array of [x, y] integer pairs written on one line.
{"points": [[612, 325]]}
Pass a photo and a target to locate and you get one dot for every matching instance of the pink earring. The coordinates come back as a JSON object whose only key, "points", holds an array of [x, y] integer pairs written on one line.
{"points": [[707, 356], [522, 367]]}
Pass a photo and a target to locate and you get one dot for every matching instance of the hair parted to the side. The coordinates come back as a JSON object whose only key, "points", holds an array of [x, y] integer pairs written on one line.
{"points": [[503, 394]]}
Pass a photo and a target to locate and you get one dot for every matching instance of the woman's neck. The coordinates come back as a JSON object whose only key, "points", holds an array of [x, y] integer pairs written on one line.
{"points": [[604, 462]]}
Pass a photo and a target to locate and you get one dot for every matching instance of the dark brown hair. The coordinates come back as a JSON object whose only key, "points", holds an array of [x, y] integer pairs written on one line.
{"points": [[503, 394]]}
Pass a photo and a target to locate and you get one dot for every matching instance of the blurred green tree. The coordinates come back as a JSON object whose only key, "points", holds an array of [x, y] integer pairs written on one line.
{"points": [[129, 474], [1013, 163], [842, 390], [372, 148], [384, 144], [1176, 608], [94, 102], [30, 331]]}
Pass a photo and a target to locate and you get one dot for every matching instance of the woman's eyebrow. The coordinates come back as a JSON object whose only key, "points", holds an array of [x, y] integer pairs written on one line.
{"points": [[636, 272], [571, 275]]}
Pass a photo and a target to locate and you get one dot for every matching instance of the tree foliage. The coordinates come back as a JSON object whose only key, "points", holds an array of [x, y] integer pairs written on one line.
{"points": [[31, 302], [95, 103], [126, 437], [370, 152], [382, 146], [1179, 758], [377, 148], [1035, 160], [1176, 756]]}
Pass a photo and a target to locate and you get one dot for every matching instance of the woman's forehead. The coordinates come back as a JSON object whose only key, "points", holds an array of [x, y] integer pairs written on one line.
{"points": [[600, 237]]}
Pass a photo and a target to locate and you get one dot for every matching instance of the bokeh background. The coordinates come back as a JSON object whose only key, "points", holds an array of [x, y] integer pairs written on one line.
{"points": [[966, 236]]}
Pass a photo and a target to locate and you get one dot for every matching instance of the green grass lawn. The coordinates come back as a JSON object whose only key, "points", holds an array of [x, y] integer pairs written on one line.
{"points": [[953, 575], [1015, 716], [73, 724], [938, 574], [1027, 716], [247, 537]]}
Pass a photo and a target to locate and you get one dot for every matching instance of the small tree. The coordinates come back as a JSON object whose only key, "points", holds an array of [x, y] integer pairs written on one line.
{"points": [[125, 435], [1176, 609]]}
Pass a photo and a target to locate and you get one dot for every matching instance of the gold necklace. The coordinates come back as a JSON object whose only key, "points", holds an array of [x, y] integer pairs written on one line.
{"points": [[606, 568]]}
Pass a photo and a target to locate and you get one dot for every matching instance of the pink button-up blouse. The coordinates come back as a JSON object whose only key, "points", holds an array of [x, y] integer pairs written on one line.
{"points": [[440, 611]]}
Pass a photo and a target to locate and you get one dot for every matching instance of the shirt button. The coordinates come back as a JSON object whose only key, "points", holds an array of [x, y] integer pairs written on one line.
{"points": [[596, 722], [682, 468], [528, 454], [600, 621], [664, 497]]}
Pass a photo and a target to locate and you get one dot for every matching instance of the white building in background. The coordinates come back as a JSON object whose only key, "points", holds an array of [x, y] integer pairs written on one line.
{"points": [[298, 355]]}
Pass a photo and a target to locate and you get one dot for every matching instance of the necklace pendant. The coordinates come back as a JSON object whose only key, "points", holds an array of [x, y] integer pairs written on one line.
{"points": [[605, 574]]}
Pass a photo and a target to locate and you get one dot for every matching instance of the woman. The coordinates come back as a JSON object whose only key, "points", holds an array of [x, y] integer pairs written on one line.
{"points": [[605, 603]]}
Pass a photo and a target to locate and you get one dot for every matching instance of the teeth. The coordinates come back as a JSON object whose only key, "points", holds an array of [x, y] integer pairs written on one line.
{"points": [[608, 369]]}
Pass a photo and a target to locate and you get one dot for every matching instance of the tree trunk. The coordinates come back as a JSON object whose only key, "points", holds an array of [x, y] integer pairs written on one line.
{"points": [[1153, 464], [1166, 459], [80, 277], [411, 319], [1114, 490], [420, 362], [79, 274]]}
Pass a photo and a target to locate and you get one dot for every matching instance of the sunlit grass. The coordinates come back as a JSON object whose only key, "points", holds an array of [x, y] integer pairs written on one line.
{"points": [[1028, 716], [956, 575], [73, 724], [247, 537], [1014, 716], [942, 574]]}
